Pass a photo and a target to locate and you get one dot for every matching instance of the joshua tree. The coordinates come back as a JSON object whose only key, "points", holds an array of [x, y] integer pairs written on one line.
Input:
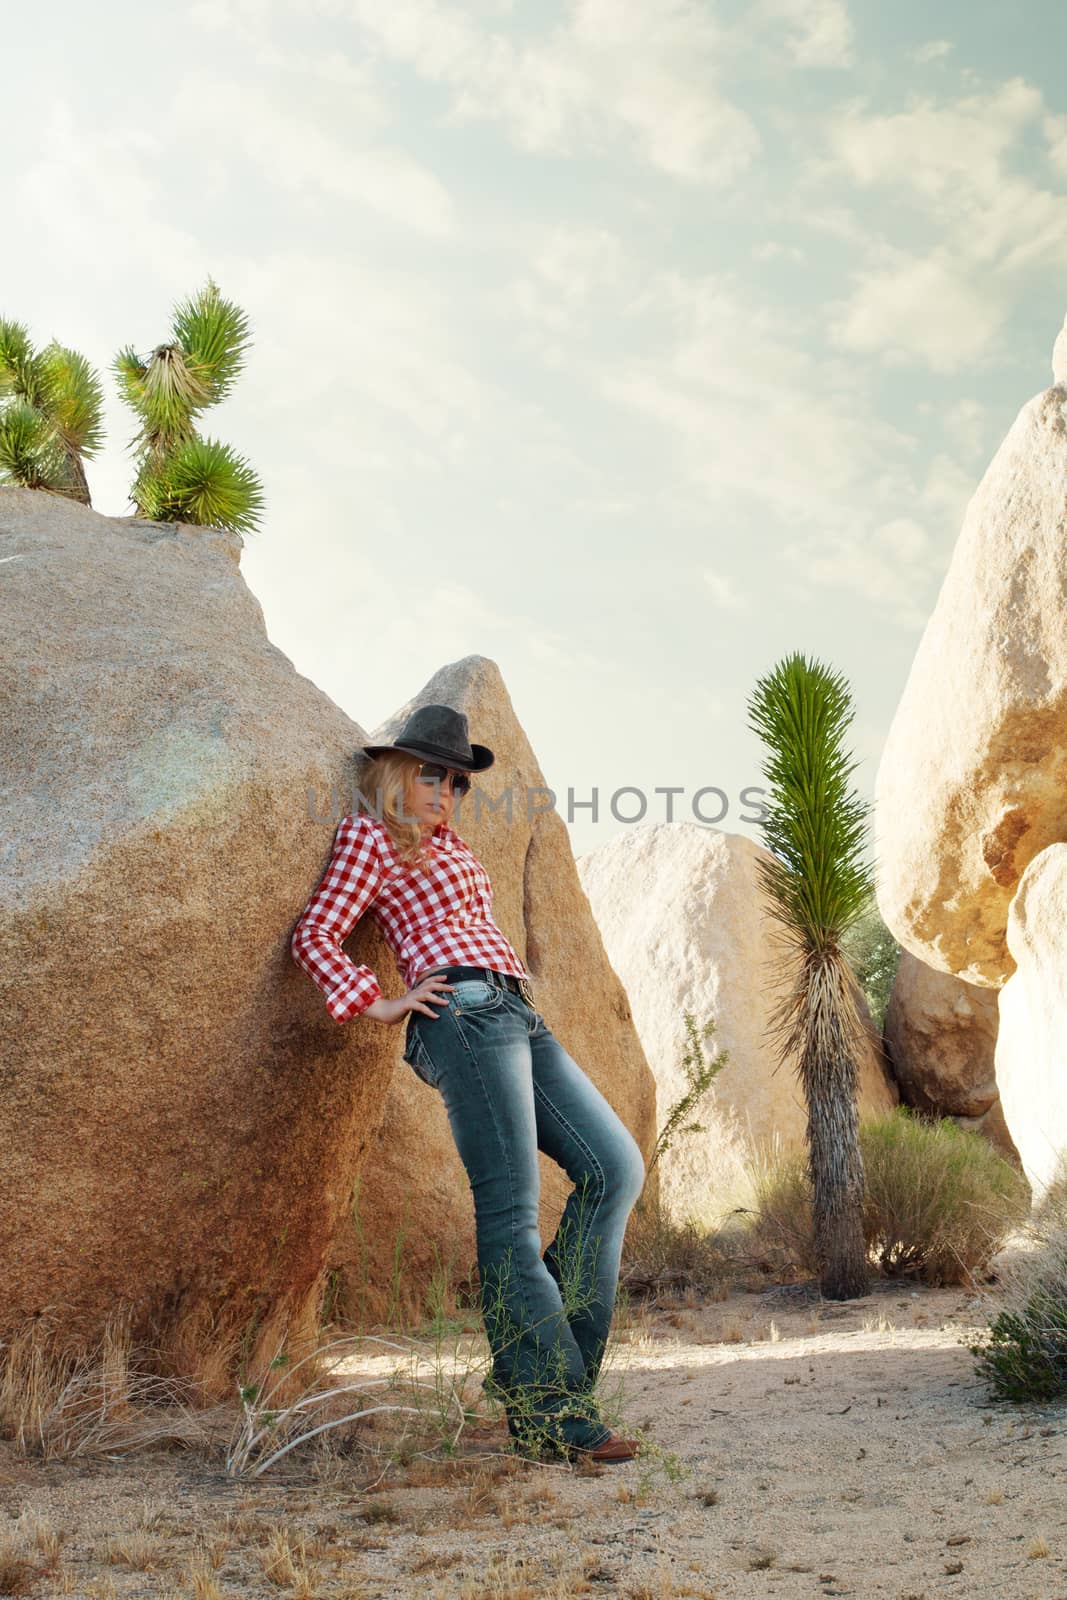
{"points": [[51, 405], [182, 477], [816, 885]]}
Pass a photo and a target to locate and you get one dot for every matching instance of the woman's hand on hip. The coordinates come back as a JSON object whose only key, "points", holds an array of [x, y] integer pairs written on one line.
{"points": [[426, 997]]}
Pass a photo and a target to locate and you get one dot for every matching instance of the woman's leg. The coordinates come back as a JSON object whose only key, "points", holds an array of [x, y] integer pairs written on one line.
{"points": [[477, 1053], [579, 1129]]}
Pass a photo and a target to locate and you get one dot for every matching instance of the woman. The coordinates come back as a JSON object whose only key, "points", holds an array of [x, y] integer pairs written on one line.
{"points": [[508, 1085]]}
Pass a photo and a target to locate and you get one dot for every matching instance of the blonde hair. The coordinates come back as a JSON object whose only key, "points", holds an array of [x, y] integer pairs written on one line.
{"points": [[382, 785]]}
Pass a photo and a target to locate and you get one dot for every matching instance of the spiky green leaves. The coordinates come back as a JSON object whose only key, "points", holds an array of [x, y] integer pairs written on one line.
{"points": [[130, 371], [77, 399], [182, 477], [22, 372], [214, 334], [51, 408], [30, 452], [200, 481], [817, 882], [168, 393]]}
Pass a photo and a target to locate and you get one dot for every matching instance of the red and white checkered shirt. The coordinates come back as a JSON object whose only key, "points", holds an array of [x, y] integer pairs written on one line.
{"points": [[440, 917]]}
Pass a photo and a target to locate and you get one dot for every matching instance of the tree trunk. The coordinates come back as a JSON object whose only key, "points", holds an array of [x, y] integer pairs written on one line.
{"points": [[79, 484], [836, 1161]]}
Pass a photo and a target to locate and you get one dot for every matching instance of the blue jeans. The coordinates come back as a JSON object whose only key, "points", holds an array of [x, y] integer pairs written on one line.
{"points": [[510, 1089]]}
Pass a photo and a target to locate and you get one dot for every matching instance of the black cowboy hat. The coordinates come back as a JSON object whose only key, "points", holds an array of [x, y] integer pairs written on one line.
{"points": [[438, 733]]}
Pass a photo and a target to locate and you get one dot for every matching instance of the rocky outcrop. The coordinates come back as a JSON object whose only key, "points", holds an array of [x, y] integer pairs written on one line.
{"points": [[941, 1036], [971, 780], [679, 906], [182, 1124], [1031, 1053]]}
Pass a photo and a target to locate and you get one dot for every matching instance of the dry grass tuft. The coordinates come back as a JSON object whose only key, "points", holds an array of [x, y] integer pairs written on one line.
{"points": [[140, 1551], [18, 1573], [60, 1398], [666, 1261]]}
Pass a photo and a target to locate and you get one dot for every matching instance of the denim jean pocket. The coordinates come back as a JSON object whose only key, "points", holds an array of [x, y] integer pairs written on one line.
{"points": [[474, 994], [415, 1053]]}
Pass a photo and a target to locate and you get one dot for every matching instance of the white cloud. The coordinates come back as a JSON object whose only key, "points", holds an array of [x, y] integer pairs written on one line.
{"points": [[772, 250], [960, 165], [753, 414], [1055, 130], [365, 98], [945, 495], [839, 221], [896, 562], [935, 50], [935, 148], [820, 31], [112, 196], [924, 308], [370, 351], [724, 591], [444, 614], [893, 567], [612, 68], [393, 378], [295, 152], [965, 423], [565, 267], [760, 427]]}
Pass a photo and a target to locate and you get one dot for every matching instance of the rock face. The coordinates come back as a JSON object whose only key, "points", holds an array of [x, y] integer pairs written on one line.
{"points": [[1031, 1053], [679, 908], [941, 1034], [971, 781], [182, 1122]]}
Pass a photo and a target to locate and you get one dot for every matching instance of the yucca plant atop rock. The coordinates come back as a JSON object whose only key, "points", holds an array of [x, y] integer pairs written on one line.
{"points": [[181, 476], [816, 885], [51, 408]]}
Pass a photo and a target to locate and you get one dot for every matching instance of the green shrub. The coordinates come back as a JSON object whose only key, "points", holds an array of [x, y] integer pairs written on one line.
{"points": [[874, 956], [1023, 1356], [939, 1202]]}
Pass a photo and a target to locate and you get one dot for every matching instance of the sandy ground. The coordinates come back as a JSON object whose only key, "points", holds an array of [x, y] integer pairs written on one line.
{"points": [[823, 1450]]}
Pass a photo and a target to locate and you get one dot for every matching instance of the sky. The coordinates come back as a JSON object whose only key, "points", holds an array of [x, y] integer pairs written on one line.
{"points": [[635, 346]]}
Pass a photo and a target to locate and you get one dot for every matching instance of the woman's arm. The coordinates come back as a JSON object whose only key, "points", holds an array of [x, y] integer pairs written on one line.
{"points": [[346, 889]]}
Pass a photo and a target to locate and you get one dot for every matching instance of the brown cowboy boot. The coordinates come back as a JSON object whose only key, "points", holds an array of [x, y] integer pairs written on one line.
{"points": [[613, 1448]]}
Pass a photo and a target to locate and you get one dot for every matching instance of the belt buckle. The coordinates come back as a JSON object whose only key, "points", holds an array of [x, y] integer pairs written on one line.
{"points": [[527, 993]]}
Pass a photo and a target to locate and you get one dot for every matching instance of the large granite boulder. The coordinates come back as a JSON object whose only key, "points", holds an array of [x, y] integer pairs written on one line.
{"points": [[941, 1036], [680, 908], [971, 780], [182, 1123], [1031, 1052]]}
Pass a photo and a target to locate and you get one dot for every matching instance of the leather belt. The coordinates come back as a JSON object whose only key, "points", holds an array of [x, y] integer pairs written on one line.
{"points": [[503, 980]]}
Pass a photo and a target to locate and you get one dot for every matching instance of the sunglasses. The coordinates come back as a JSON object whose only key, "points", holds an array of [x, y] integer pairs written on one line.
{"points": [[431, 772]]}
